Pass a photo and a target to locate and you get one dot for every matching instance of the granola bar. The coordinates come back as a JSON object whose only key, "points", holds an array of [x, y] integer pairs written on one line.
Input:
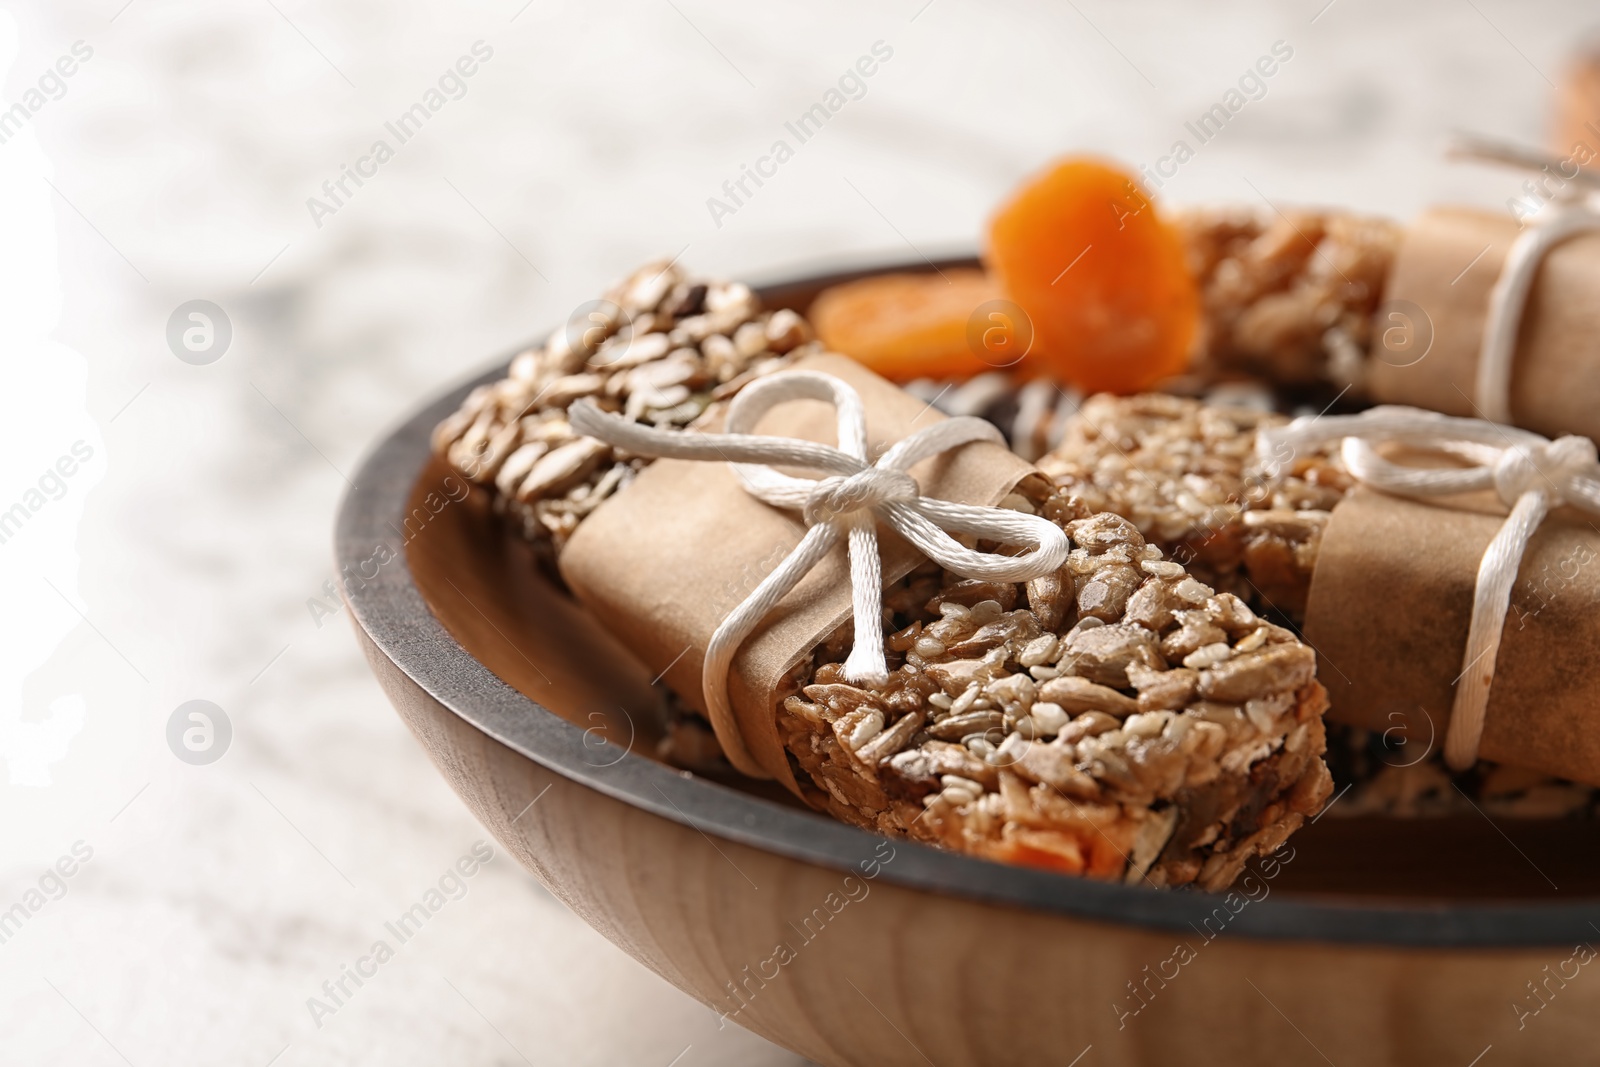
{"points": [[661, 346], [1119, 720], [1288, 295], [1187, 476]]}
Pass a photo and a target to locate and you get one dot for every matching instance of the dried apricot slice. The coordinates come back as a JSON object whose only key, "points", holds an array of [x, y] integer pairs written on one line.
{"points": [[906, 326], [1102, 276]]}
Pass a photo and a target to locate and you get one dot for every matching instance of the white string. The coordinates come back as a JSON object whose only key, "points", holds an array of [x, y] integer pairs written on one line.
{"points": [[852, 497], [1531, 474], [1554, 224]]}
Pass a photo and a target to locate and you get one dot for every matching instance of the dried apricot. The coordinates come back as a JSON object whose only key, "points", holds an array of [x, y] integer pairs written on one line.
{"points": [[906, 326], [1103, 278], [1062, 854]]}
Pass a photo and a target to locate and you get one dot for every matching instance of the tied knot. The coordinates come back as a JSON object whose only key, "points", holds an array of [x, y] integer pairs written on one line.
{"points": [[840, 495], [1548, 468], [840, 506]]}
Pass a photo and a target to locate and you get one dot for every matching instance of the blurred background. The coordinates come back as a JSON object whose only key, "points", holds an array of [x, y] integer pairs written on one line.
{"points": [[168, 483]]}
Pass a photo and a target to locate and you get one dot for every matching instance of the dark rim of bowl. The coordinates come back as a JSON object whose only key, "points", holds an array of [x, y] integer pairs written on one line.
{"points": [[391, 610]]}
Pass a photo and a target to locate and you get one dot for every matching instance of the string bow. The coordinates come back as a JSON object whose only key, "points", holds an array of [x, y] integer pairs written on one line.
{"points": [[1531, 474], [851, 498]]}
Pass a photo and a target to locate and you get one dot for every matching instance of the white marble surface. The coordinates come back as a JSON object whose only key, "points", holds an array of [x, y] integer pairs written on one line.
{"points": [[177, 164]]}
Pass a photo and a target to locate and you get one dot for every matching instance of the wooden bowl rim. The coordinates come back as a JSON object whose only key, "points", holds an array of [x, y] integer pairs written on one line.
{"points": [[391, 611]]}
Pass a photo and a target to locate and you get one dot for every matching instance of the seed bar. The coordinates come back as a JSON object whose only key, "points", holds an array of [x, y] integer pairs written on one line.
{"points": [[1288, 296], [1187, 476], [662, 346], [1119, 720]]}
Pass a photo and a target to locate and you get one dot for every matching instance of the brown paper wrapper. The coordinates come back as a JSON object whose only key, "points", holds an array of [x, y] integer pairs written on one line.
{"points": [[1430, 326], [1577, 127], [1389, 607], [664, 561]]}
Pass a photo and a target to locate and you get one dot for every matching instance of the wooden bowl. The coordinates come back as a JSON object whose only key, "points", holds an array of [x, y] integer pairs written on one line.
{"points": [[1380, 942]]}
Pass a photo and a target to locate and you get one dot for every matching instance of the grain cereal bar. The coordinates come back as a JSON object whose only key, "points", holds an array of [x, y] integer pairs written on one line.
{"points": [[1289, 296], [1187, 476], [1119, 720], [661, 346]]}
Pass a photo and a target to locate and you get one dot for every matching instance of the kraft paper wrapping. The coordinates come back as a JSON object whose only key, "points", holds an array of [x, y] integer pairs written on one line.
{"points": [[1388, 611], [665, 560], [1438, 292]]}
